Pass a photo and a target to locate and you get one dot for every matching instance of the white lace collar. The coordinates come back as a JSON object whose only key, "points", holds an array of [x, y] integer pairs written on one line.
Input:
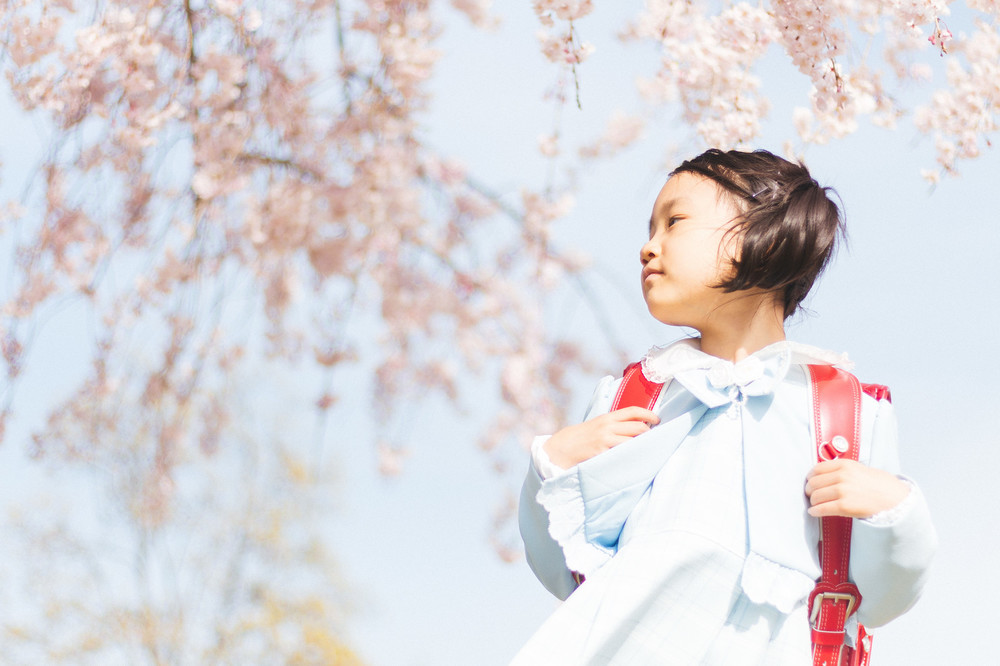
{"points": [[661, 363]]}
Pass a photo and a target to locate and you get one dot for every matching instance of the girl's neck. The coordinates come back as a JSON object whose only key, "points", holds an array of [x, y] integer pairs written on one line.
{"points": [[740, 328]]}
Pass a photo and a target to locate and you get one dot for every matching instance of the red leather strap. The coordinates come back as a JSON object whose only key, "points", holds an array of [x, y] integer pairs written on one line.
{"points": [[635, 390], [836, 397]]}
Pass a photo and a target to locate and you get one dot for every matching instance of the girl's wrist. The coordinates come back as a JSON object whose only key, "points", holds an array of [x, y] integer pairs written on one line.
{"points": [[892, 514], [555, 455]]}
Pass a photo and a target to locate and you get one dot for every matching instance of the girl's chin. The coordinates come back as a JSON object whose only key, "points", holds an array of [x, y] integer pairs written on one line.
{"points": [[665, 316]]}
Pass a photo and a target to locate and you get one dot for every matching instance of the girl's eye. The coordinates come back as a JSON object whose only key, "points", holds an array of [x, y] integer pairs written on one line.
{"points": [[673, 220]]}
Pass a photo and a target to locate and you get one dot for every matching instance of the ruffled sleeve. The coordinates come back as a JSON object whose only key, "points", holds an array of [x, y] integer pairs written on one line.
{"points": [[563, 500]]}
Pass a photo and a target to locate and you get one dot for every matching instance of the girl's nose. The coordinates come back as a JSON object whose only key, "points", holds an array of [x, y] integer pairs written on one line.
{"points": [[647, 252]]}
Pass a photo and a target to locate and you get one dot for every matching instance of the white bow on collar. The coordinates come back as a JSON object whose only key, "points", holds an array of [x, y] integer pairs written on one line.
{"points": [[716, 381]]}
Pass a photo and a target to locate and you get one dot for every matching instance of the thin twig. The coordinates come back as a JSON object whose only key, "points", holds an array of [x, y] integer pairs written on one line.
{"points": [[572, 68], [189, 14], [287, 163], [346, 71]]}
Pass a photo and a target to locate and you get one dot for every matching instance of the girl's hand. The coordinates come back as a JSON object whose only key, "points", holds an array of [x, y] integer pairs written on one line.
{"points": [[848, 488], [574, 444]]}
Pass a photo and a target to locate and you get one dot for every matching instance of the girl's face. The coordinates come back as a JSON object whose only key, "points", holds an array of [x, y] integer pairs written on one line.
{"points": [[688, 251]]}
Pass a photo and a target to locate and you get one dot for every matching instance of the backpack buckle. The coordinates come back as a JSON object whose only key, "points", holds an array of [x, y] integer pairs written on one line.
{"points": [[818, 600]]}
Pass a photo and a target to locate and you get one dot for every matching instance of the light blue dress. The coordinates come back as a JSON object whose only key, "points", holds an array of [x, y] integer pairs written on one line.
{"points": [[694, 537]]}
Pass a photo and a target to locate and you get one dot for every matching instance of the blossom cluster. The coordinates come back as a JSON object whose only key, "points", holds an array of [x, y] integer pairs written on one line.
{"points": [[962, 116], [706, 66], [621, 131], [856, 57], [478, 11], [563, 46]]}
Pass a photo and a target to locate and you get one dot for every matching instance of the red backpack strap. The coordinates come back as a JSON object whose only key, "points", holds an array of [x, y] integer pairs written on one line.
{"points": [[836, 403], [635, 390]]}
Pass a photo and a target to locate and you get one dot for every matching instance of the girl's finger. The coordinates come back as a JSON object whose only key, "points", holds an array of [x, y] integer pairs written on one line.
{"points": [[823, 495], [620, 435], [825, 467], [636, 414], [839, 507], [630, 428], [814, 483], [825, 509]]}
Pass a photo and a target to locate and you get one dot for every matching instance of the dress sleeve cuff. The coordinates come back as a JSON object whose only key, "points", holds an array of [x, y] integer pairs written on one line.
{"points": [[563, 500], [893, 515], [540, 459]]}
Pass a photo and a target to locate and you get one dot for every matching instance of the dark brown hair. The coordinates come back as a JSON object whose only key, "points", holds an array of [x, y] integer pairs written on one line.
{"points": [[788, 226]]}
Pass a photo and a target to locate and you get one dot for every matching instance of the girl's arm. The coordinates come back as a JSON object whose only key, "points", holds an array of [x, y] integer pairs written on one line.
{"points": [[568, 447]]}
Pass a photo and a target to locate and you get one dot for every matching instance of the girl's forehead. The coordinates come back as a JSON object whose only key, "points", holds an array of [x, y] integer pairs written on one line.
{"points": [[688, 188], [687, 182]]}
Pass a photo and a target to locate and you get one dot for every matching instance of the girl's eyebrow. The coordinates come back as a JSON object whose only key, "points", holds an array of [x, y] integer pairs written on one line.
{"points": [[666, 205]]}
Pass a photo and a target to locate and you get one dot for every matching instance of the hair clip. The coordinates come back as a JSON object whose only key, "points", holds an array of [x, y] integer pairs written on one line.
{"points": [[755, 194]]}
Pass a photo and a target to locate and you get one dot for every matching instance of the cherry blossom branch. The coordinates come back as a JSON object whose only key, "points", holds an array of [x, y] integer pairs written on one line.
{"points": [[347, 71], [282, 162], [189, 18], [573, 64]]}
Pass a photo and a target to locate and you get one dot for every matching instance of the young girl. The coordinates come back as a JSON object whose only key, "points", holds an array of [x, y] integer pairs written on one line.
{"points": [[695, 525]]}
